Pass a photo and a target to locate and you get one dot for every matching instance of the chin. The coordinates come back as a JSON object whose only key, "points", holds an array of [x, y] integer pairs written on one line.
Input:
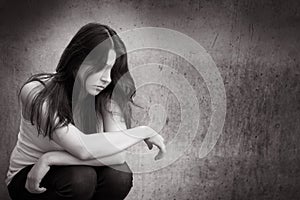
{"points": [[93, 93]]}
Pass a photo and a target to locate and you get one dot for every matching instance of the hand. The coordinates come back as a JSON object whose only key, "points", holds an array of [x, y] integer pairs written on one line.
{"points": [[35, 176], [158, 141]]}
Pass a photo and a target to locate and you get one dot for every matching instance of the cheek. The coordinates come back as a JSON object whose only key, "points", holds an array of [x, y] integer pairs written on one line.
{"points": [[89, 80], [93, 79]]}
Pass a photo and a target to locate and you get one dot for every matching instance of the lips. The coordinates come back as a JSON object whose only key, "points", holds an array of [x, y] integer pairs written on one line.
{"points": [[99, 86]]}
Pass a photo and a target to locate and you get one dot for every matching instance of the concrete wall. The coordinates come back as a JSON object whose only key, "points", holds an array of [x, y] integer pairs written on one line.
{"points": [[255, 45]]}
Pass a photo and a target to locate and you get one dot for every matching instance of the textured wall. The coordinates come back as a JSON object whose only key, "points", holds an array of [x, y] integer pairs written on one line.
{"points": [[255, 45]]}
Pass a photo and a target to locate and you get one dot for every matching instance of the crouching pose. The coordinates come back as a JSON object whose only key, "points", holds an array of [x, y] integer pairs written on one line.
{"points": [[75, 124]]}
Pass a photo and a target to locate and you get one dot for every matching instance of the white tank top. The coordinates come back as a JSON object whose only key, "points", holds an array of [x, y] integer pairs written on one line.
{"points": [[29, 148]]}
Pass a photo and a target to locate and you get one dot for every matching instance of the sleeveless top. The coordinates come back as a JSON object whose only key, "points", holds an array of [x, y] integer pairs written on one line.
{"points": [[30, 147]]}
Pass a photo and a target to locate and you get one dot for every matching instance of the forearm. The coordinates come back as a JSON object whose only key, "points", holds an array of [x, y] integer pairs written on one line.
{"points": [[115, 142], [98, 145], [65, 158]]}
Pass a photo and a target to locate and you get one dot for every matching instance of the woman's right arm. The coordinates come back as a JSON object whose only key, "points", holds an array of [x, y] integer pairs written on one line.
{"points": [[95, 146], [65, 158]]}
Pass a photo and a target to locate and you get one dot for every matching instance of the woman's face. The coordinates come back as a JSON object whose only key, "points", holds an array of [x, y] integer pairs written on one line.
{"points": [[98, 81]]}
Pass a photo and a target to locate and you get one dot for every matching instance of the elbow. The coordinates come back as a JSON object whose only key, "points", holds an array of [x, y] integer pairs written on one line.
{"points": [[122, 158], [119, 158], [84, 155]]}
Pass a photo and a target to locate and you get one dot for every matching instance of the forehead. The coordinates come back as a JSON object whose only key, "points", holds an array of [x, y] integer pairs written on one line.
{"points": [[101, 59], [111, 57]]}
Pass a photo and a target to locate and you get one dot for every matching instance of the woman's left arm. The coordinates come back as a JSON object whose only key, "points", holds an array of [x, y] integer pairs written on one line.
{"points": [[40, 169], [114, 120]]}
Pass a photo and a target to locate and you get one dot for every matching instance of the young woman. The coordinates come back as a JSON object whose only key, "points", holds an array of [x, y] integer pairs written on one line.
{"points": [[75, 124]]}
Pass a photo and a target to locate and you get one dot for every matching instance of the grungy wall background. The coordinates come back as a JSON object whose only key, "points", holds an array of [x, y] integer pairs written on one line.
{"points": [[255, 45]]}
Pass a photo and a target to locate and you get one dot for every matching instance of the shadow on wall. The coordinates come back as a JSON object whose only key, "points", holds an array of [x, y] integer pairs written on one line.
{"points": [[18, 19], [23, 17]]}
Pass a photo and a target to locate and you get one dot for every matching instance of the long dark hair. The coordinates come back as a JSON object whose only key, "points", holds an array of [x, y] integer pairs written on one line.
{"points": [[58, 93]]}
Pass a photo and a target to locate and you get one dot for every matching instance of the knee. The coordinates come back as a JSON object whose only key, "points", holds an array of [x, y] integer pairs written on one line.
{"points": [[119, 178], [79, 182]]}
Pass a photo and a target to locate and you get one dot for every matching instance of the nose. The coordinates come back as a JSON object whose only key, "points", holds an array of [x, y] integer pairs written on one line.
{"points": [[105, 81], [105, 78]]}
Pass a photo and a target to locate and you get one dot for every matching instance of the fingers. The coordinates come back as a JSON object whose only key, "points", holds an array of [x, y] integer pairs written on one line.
{"points": [[158, 141], [36, 189], [150, 145], [162, 151], [159, 156], [39, 189], [33, 186]]}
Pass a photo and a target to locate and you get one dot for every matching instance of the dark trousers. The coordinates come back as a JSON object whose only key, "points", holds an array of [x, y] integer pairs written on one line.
{"points": [[77, 182]]}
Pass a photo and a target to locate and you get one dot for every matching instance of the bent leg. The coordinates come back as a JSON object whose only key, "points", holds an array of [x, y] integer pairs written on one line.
{"points": [[72, 182], [62, 182], [17, 190], [113, 182]]}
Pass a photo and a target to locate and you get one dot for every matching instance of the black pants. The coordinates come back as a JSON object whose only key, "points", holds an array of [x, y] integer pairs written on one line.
{"points": [[77, 182]]}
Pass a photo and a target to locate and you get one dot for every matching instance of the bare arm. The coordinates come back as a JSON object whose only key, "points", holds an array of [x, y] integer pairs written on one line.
{"points": [[112, 122], [96, 145], [65, 158], [42, 166], [94, 149], [115, 139], [87, 147]]}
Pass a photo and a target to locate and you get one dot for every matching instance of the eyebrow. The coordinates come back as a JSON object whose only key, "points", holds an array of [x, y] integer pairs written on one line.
{"points": [[112, 63], [107, 65]]}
